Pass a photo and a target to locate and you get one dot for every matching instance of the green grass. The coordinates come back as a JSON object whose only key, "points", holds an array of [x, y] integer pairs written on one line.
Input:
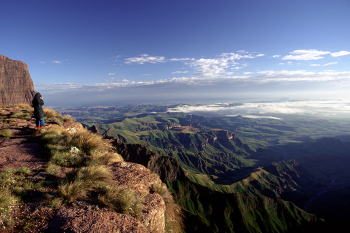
{"points": [[124, 201], [6, 133]]}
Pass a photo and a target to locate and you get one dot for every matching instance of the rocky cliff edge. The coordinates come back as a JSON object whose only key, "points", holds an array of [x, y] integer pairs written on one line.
{"points": [[51, 182]]}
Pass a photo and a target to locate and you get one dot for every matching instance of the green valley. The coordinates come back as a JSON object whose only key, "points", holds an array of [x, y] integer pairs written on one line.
{"points": [[297, 159]]}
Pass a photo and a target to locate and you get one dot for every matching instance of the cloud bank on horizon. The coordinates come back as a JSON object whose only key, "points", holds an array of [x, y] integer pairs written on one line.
{"points": [[272, 110], [157, 51]]}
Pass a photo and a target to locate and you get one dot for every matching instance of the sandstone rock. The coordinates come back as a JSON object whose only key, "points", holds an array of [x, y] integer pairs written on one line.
{"points": [[16, 85], [94, 220], [140, 179]]}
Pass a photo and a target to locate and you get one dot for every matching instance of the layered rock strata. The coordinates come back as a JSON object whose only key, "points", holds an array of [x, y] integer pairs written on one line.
{"points": [[16, 85]]}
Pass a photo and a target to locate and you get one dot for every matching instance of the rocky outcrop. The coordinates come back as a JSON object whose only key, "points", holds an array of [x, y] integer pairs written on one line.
{"points": [[16, 85], [141, 180], [93, 220]]}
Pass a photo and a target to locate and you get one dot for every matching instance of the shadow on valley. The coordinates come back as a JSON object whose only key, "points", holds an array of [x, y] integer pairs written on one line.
{"points": [[254, 205]]}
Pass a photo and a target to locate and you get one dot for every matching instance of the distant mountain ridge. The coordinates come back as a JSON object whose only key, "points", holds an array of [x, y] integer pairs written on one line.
{"points": [[16, 85]]}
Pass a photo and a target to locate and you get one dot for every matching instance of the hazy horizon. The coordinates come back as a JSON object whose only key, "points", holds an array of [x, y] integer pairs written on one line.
{"points": [[139, 51]]}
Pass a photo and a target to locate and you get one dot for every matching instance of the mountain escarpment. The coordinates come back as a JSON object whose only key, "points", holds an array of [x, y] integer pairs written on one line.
{"points": [[207, 210], [16, 85]]}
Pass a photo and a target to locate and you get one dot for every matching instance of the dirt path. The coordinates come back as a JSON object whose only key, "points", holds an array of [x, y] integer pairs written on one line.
{"points": [[23, 148], [21, 152]]}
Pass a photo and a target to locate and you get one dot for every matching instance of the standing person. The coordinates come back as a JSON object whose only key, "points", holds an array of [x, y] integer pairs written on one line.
{"points": [[37, 103]]}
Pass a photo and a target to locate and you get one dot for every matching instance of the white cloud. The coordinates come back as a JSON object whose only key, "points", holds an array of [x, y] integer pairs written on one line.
{"points": [[144, 58], [302, 75], [181, 59], [215, 67], [260, 55], [275, 56], [266, 109], [315, 65], [111, 73], [57, 62], [331, 63], [180, 72], [311, 54], [340, 53]]}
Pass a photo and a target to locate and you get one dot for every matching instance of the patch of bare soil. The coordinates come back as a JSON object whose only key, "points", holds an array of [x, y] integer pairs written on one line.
{"points": [[21, 152], [23, 148]]}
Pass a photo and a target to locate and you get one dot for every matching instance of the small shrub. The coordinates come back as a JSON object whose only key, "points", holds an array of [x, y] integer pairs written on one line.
{"points": [[6, 133]]}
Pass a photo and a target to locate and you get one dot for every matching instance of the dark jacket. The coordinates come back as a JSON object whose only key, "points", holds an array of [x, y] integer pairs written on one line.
{"points": [[37, 104]]}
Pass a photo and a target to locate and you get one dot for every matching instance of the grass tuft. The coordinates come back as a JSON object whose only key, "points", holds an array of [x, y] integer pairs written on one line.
{"points": [[74, 191], [66, 159], [68, 118], [8, 205], [23, 170], [173, 214], [50, 113], [105, 158], [125, 201], [53, 169], [6, 133]]}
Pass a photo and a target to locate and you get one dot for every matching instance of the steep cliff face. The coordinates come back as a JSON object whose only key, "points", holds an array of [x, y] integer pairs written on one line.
{"points": [[16, 85]]}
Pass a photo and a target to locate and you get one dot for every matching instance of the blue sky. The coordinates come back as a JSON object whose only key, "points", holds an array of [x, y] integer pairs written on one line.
{"points": [[143, 51]]}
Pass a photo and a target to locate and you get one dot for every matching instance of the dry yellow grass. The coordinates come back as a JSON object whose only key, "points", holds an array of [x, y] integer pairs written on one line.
{"points": [[50, 113], [173, 214]]}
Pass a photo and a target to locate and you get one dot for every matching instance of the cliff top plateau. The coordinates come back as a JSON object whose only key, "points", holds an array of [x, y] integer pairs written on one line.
{"points": [[64, 178]]}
